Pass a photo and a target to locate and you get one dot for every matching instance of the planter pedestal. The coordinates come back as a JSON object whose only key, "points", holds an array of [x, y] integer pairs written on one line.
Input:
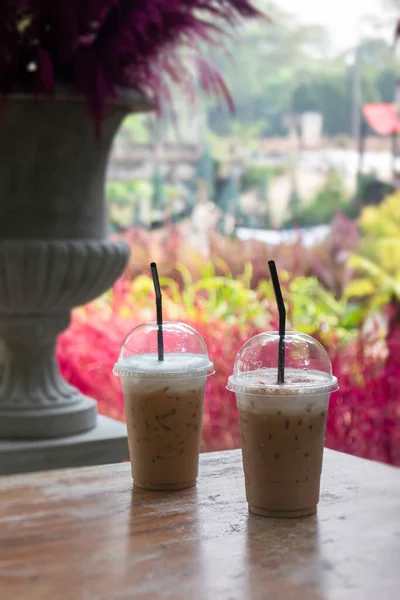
{"points": [[40, 281], [54, 256], [106, 443], [35, 402]]}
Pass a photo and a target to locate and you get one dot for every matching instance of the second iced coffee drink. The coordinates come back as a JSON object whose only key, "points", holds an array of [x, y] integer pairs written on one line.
{"points": [[282, 425], [164, 404]]}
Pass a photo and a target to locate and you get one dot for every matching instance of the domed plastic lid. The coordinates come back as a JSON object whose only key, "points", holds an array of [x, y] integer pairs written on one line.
{"points": [[185, 353], [307, 366]]}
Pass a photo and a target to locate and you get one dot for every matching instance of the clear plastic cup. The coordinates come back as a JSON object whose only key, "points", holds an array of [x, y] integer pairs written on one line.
{"points": [[164, 403], [282, 426]]}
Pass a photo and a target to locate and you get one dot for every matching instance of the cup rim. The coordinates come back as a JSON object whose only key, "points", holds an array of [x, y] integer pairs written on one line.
{"points": [[239, 385], [177, 375]]}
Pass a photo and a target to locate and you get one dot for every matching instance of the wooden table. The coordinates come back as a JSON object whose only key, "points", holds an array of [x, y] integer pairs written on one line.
{"points": [[84, 534]]}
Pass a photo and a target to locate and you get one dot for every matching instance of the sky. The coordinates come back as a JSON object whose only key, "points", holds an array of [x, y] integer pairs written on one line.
{"points": [[341, 17]]}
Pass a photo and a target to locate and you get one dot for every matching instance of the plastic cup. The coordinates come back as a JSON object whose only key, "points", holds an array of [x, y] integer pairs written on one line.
{"points": [[164, 403], [282, 426]]}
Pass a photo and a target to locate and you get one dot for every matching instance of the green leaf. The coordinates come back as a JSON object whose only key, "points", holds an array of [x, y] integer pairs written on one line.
{"points": [[353, 316], [142, 284], [247, 275], [359, 287], [172, 289], [186, 275], [208, 270]]}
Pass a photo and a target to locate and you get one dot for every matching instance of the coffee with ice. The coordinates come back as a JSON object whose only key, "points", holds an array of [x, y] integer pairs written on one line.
{"points": [[164, 404], [282, 425]]}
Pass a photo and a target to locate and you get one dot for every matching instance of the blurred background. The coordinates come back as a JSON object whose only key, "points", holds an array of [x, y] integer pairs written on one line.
{"points": [[306, 172]]}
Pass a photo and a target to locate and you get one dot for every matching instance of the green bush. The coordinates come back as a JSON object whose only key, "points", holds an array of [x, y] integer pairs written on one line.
{"points": [[377, 263], [255, 175], [321, 210]]}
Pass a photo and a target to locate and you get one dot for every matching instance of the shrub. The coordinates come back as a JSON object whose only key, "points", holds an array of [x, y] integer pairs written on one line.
{"points": [[363, 417], [377, 261], [228, 301], [330, 199], [171, 247]]}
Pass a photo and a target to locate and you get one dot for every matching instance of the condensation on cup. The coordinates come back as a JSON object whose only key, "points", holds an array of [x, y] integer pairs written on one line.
{"points": [[282, 426], [164, 403]]}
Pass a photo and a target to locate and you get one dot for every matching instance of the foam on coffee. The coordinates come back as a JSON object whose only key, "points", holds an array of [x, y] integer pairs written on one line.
{"points": [[184, 364], [297, 382], [146, 374]]}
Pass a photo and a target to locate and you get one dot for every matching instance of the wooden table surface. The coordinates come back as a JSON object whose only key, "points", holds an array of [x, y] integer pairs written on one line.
{"points": [[85, 534]]}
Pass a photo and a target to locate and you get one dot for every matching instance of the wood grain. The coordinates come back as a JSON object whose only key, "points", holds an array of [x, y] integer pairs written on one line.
{"points": [[84, 534]]}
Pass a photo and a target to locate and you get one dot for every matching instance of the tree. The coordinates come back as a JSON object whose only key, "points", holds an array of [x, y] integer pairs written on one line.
{"points": [[283, 66], [263, 73]]}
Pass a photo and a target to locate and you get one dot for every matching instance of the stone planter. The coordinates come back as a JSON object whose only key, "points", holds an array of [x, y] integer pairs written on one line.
{"points": [[53, 253]]}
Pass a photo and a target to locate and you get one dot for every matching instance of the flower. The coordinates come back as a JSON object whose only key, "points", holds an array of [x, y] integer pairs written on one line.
{"points": [[98, 46]]}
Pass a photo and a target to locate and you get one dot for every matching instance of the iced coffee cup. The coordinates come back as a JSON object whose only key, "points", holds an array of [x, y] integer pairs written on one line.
{"points": [[282, 426], [164, 403]]}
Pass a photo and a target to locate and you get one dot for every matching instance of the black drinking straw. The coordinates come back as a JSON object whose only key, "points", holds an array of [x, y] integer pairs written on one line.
{"points": [[157, 289], [282, 320]]}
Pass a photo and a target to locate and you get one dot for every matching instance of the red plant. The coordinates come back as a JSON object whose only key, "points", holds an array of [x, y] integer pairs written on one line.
{"points": [[364, 415], [99, 45], [392, 383], [170, 247]]}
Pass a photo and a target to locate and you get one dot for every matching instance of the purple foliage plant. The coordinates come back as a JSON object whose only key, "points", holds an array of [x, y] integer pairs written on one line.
{"points": [[97, 47]]}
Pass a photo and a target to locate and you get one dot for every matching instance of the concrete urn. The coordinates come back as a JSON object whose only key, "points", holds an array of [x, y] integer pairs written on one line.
{"points": [[54, 254]]}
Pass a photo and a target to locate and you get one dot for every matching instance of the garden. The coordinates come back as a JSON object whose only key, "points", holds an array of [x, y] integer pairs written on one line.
{"points": [[345, 291]]}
